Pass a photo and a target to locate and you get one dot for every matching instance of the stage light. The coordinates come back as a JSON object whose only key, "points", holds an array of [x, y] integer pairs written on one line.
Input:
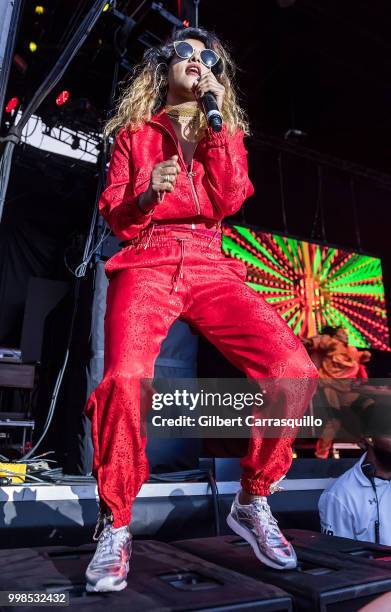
{"points": [[39, 9], [63, 98], [33, 46], [186, 23], [11, 105], [106, 7]]}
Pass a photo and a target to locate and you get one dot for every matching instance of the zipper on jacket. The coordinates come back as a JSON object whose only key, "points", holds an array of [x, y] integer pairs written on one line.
{"points": [[190, 174]]}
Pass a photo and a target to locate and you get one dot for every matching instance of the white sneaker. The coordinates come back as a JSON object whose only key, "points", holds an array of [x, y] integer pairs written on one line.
{"points": [[109, 567], [256, 524]]}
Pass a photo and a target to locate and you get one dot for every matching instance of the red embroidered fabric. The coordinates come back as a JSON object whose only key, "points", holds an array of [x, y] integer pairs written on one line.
{"points": [[212, 297], [167, 273], [219, 176]]}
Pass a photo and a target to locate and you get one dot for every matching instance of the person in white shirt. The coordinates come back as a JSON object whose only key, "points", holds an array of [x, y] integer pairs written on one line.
{"points": [[358, 504]]}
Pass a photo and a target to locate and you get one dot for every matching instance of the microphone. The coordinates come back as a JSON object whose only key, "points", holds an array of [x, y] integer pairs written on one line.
{"points": [[213, 116]]}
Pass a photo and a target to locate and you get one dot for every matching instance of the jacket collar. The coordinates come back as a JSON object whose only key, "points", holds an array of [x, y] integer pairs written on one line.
{"points": [[163, 120], [363, 480]]}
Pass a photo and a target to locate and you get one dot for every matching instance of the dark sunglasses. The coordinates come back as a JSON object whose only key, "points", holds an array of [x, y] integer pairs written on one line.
{"points": [[185, 50]]}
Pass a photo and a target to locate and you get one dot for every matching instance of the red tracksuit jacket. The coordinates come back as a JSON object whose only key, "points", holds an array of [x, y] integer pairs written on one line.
{"points": [[214, 187]]}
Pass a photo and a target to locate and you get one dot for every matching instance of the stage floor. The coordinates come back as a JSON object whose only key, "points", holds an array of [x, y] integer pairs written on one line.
{"points": [[211, 574]]}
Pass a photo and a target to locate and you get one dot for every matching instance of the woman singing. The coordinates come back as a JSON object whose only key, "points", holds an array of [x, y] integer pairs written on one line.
{"points": [[171, 181]]}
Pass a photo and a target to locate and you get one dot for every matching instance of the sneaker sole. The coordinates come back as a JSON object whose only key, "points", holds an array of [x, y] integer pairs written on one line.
{"points": [[247, 535], [102, 587]]}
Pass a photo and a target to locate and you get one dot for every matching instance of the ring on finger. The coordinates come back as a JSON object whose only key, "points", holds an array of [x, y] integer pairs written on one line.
{"points": [[167, 178]]}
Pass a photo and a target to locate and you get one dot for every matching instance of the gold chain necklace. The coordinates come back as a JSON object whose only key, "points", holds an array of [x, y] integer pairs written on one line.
{"points": [[189, 116], [182, 110]]}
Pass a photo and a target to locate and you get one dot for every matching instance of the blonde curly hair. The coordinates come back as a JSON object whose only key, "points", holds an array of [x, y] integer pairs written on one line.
{"points": [[146, 93]]}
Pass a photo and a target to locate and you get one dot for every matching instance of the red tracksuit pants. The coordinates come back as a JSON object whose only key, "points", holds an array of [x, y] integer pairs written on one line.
{"points": [[166, 274]]}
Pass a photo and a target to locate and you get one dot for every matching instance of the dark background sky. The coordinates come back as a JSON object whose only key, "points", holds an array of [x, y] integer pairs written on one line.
{"points": [[322, 66]]}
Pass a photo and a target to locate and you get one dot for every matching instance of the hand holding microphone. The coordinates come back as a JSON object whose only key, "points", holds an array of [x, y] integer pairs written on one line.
{"points": [[210, 93]]}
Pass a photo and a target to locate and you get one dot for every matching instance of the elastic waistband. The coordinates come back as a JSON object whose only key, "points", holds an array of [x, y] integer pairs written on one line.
{"points": [[159, 234], [208, 226]]}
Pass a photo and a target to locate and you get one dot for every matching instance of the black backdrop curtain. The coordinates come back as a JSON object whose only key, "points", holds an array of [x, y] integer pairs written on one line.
{"points": [[48, 205]]}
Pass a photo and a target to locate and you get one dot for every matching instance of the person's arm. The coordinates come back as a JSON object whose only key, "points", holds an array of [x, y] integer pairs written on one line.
{"points": [[118, 204], [226, 170], [335, 518]]}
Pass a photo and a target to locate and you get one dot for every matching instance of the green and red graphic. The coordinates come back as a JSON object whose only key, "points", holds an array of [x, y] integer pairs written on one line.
{"points": [[313, 285]]}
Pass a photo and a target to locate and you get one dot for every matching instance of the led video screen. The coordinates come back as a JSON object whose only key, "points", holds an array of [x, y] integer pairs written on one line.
{"points": [[313, 285]]}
